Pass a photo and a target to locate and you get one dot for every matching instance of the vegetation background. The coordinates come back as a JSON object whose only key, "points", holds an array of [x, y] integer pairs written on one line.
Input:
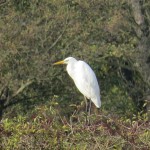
{"points": [[40, 108]]}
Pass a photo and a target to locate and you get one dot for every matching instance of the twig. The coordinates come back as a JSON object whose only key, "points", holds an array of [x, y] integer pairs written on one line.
{"points": [[22, 88], [10, 100], [56, 40]]}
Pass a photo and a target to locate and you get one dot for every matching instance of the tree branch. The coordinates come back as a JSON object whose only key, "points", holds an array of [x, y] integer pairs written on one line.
{"points": [[22, 88], [56, 41], [137, 13], [10, 99]]}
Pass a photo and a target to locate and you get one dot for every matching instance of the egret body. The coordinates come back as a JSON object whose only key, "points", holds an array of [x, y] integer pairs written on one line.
{"points": [[84, 79]]}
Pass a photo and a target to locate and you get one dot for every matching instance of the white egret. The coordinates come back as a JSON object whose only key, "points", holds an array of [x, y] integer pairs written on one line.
{"points": [[84, 79]]}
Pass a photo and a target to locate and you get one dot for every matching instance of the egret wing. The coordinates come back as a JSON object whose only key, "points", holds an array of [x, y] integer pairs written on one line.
{"points": [[86, 82]]}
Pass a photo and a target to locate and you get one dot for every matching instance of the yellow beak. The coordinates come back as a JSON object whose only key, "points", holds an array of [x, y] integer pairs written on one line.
{"points": [[59, 62]]}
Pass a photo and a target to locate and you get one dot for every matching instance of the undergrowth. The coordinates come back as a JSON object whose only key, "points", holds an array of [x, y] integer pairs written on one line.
{"points": [[46, 128]]}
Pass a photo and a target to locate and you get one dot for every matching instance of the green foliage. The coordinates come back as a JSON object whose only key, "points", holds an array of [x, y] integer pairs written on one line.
{"points": [[34, 34], [98, 32], [44, 128], [21, 5]]}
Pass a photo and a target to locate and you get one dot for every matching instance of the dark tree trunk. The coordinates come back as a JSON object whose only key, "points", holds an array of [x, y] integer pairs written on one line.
{"points": [[1, 108], [142, 29]]}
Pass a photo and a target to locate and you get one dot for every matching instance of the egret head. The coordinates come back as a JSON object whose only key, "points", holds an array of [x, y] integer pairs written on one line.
{"points": [[65, 61]]}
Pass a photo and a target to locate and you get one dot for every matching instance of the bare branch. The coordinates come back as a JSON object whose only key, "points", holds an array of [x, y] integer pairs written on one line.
{"points": [[138, 16], [56, 41], [22, 88]]}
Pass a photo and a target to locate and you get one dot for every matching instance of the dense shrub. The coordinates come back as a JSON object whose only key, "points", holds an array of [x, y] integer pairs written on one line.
{"points": [[44, 128]]}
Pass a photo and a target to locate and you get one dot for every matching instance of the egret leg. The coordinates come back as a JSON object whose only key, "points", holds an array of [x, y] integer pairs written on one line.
{"points": [[89, 113], [86, 111], [86, 103]]}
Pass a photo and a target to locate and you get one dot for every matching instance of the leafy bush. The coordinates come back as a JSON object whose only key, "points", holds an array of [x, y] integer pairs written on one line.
{"points": [[45, 128], [45, 32]]}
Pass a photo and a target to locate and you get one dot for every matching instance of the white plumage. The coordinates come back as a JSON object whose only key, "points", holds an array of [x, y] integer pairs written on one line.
{"points": [[84, 79]]}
